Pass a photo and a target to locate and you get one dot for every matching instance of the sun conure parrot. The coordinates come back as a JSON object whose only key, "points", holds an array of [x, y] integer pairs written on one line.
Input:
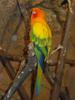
{"points": [[41, 37]]}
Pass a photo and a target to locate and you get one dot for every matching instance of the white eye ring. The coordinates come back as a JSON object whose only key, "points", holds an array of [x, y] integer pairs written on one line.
{"points": [[33, 12]]}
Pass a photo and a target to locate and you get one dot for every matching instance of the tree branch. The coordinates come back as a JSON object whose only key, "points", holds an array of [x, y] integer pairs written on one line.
{"points": [[61, 61], [12, 74], [20, 78]]}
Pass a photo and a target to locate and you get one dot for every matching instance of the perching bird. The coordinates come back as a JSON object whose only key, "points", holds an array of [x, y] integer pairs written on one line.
{"points": [[41, 37]]}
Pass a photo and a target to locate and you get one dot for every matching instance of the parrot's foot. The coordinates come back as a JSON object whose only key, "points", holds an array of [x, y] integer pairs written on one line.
{"points": [[35, 64], [58, 48], [31, 51]]}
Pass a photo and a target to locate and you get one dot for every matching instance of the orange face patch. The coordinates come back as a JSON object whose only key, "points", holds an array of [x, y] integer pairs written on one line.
{"points": [[37, 13]]}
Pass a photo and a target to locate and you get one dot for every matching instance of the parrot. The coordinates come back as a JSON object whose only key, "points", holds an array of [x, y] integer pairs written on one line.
{"points": [[41, 37]]}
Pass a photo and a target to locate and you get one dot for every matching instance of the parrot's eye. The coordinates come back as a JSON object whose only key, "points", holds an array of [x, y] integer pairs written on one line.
{"points": [[34, 13]]}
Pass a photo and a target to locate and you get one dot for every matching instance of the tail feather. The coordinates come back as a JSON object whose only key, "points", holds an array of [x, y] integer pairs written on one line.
{"points": [[38, 80], [40, 54]]}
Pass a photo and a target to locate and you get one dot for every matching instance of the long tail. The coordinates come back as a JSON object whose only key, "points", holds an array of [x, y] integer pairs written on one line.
{"points": [[38, 80], [41, 67]]}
